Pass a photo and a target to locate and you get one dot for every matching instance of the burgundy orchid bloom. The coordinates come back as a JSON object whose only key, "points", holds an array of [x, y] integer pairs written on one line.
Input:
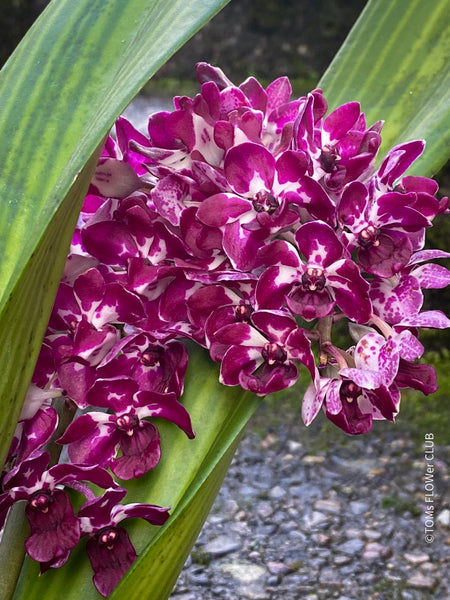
{"points": [[340, 146], [401, 296], [353, 396], [260, 356], [96, 437], [256, 209], [109, 548], [328, 278], [54, 528], [154, 365], [381, 227]]}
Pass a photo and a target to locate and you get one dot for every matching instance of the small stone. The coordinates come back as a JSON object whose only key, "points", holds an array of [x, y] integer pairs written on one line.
{"points": [[420, 582], [294, 446], [330, 576], [428, 566], [222, 545], [332, 506], [231, 507], [416, 558], [270, 440], [321, 539], [277, 568], [371, 534], [277, 493], [443, 518], [199, 576], [306, 491], [341, 560], [375, 550], [352, 533], [314, 519], [351, 547], [358, 508], [313, 460], [264, 510], [244, 572]]}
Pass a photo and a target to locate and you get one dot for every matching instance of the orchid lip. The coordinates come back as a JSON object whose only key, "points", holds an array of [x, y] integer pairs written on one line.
{"points": [[127, 423], [265, 202], [313, 279], [41, 501], [368, 237], [272, 353], [107, 537]]}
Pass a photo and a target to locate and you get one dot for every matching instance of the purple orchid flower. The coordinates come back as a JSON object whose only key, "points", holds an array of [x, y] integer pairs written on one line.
{"points": [[256, 209], [260, 356], [341, 148], [37, 423], [401, 296], [328, 278], [54, 528], [155, 366], [353, 396], [109, 548], [381, 227], [96, 437]]}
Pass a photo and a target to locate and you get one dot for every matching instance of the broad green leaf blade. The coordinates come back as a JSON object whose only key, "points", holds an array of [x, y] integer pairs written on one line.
{"points": [[25, 316], [187, 479], [395, 62], [72, 75]]}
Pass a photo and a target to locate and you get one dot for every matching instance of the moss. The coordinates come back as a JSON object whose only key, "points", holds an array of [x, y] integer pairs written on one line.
{"points": [[388, 589], [401, 506], [200, 558]]}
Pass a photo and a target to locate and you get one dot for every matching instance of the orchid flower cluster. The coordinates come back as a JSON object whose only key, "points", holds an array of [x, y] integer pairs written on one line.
{"points": [[251, 224]]}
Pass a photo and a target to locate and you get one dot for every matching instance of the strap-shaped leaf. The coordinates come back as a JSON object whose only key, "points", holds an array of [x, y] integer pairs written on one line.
{"points": [[395, 63], [72, 75]]}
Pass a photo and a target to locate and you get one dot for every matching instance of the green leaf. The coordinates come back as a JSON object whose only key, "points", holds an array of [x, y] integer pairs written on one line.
{"points": [[75, 71], [187, 479], [395, 63]]}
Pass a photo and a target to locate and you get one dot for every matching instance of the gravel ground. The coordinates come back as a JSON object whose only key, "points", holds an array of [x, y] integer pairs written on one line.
{"points": [[304, 514]]}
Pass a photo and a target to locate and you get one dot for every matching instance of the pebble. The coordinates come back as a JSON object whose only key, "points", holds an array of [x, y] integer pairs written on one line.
{"points": [[358, 508], [222, 545], [313, 460], [244, 572], [342, 559], [416, 559], [376, 550], [371, 534], [332, 506], [443, 518], [277, 493], [421, 582], [351, 547]]}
